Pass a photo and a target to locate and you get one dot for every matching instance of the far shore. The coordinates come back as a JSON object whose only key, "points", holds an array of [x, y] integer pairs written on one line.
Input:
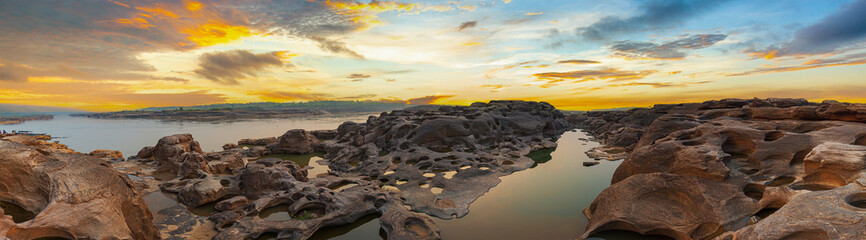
{"points": [[10, 120]]}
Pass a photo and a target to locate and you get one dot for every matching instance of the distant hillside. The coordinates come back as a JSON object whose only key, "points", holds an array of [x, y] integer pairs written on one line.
{"points": [[328, 106], [19, 108]]}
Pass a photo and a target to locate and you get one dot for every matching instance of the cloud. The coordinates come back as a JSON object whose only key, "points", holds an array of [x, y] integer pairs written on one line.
{"points": [[358, 75], [362, 96], [427, 100], [229, 66], [13, 73], [610, 74], [811, 64], [335, 46], [533, 13], [650, 84], [282, 96], [173, 79], [833, 32], [655, 15], [670, 50], [465, 25], [578, 61]]}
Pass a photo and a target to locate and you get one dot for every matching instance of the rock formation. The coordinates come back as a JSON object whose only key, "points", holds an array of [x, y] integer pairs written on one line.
{"points": [[735, 169], [435, 159], [441, 159], [57, 193]]}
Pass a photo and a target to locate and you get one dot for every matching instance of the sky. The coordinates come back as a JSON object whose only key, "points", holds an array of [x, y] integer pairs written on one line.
{"points": [[107, 55]]}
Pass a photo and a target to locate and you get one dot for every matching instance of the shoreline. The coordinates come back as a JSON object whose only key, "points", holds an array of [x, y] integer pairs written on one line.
{"points": [[12, 119]]}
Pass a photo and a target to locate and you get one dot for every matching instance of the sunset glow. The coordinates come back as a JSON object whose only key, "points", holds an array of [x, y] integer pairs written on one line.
{"points": [[577, 55]]}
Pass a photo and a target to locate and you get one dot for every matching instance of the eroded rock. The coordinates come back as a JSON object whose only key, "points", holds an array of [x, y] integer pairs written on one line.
{"points": [[70, 195], [735, 169]]}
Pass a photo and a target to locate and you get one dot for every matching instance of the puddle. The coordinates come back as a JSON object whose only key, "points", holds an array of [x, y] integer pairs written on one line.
{"points": [[317, 169], [366, 227], [158, 200], [301, 159], [204, 210], [276, 213], [450, 174], [436, 190], [812, 187], [625, 235], [343, 186]]}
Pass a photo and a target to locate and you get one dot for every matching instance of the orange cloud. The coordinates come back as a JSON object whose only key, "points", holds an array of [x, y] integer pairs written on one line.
{"points": [[818, 63], [192, 20], [428, 99], [216, 33], [193, 6], [611, 74]]}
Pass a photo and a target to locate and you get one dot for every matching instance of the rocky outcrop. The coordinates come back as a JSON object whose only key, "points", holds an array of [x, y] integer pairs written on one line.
{"points": [[295, 141], [735, 169], [442, 158], [61, 194], [110, 154], [436, 159]]}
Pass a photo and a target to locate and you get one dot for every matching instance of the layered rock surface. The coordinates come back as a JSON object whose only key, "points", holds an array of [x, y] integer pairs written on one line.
{"points": [[53, 192], [735, 169]]}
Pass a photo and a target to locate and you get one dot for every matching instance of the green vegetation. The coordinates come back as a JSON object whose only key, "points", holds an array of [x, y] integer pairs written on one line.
{"points": [[329, 106], [305, 215]]}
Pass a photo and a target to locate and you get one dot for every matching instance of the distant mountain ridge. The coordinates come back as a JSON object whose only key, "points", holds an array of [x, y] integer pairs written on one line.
{"points": [[6, 108], [329, 106]]}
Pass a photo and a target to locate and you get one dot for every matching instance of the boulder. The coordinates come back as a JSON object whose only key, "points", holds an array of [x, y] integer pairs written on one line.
{"points": [[295, 141], [71, 195], [171, 149], [101, 153]]}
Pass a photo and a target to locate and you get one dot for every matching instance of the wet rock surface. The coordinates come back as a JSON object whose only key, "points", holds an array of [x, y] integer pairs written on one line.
{"points": [[734, 169], [53, 192]]}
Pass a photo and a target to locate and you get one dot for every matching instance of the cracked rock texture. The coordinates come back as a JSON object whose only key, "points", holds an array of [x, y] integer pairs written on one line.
{"points": [[735, 169]]}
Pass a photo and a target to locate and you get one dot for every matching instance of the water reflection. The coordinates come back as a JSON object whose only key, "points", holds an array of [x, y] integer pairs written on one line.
{"points": [[545, 202]]}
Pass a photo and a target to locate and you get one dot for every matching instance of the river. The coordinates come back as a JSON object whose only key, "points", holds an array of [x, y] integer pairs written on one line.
{"points": [[544, 202]]}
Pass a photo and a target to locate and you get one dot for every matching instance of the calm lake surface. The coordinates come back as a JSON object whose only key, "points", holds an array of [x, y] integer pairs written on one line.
{"points": [[544, 202], [130, 135]]}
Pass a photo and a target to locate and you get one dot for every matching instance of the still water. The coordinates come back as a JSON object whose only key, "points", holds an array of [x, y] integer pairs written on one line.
{"points": [[130, 135], [544, 202]]}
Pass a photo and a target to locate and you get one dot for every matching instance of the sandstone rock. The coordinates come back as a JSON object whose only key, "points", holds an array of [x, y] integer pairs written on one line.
{"points": [[270, 174], [101, 153], [228, 146], [720, 171], [170, 149], [232, 203], [73, 196], [145, 152], [295, 141], [835, 164], [258, 142], [474, 145]]}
